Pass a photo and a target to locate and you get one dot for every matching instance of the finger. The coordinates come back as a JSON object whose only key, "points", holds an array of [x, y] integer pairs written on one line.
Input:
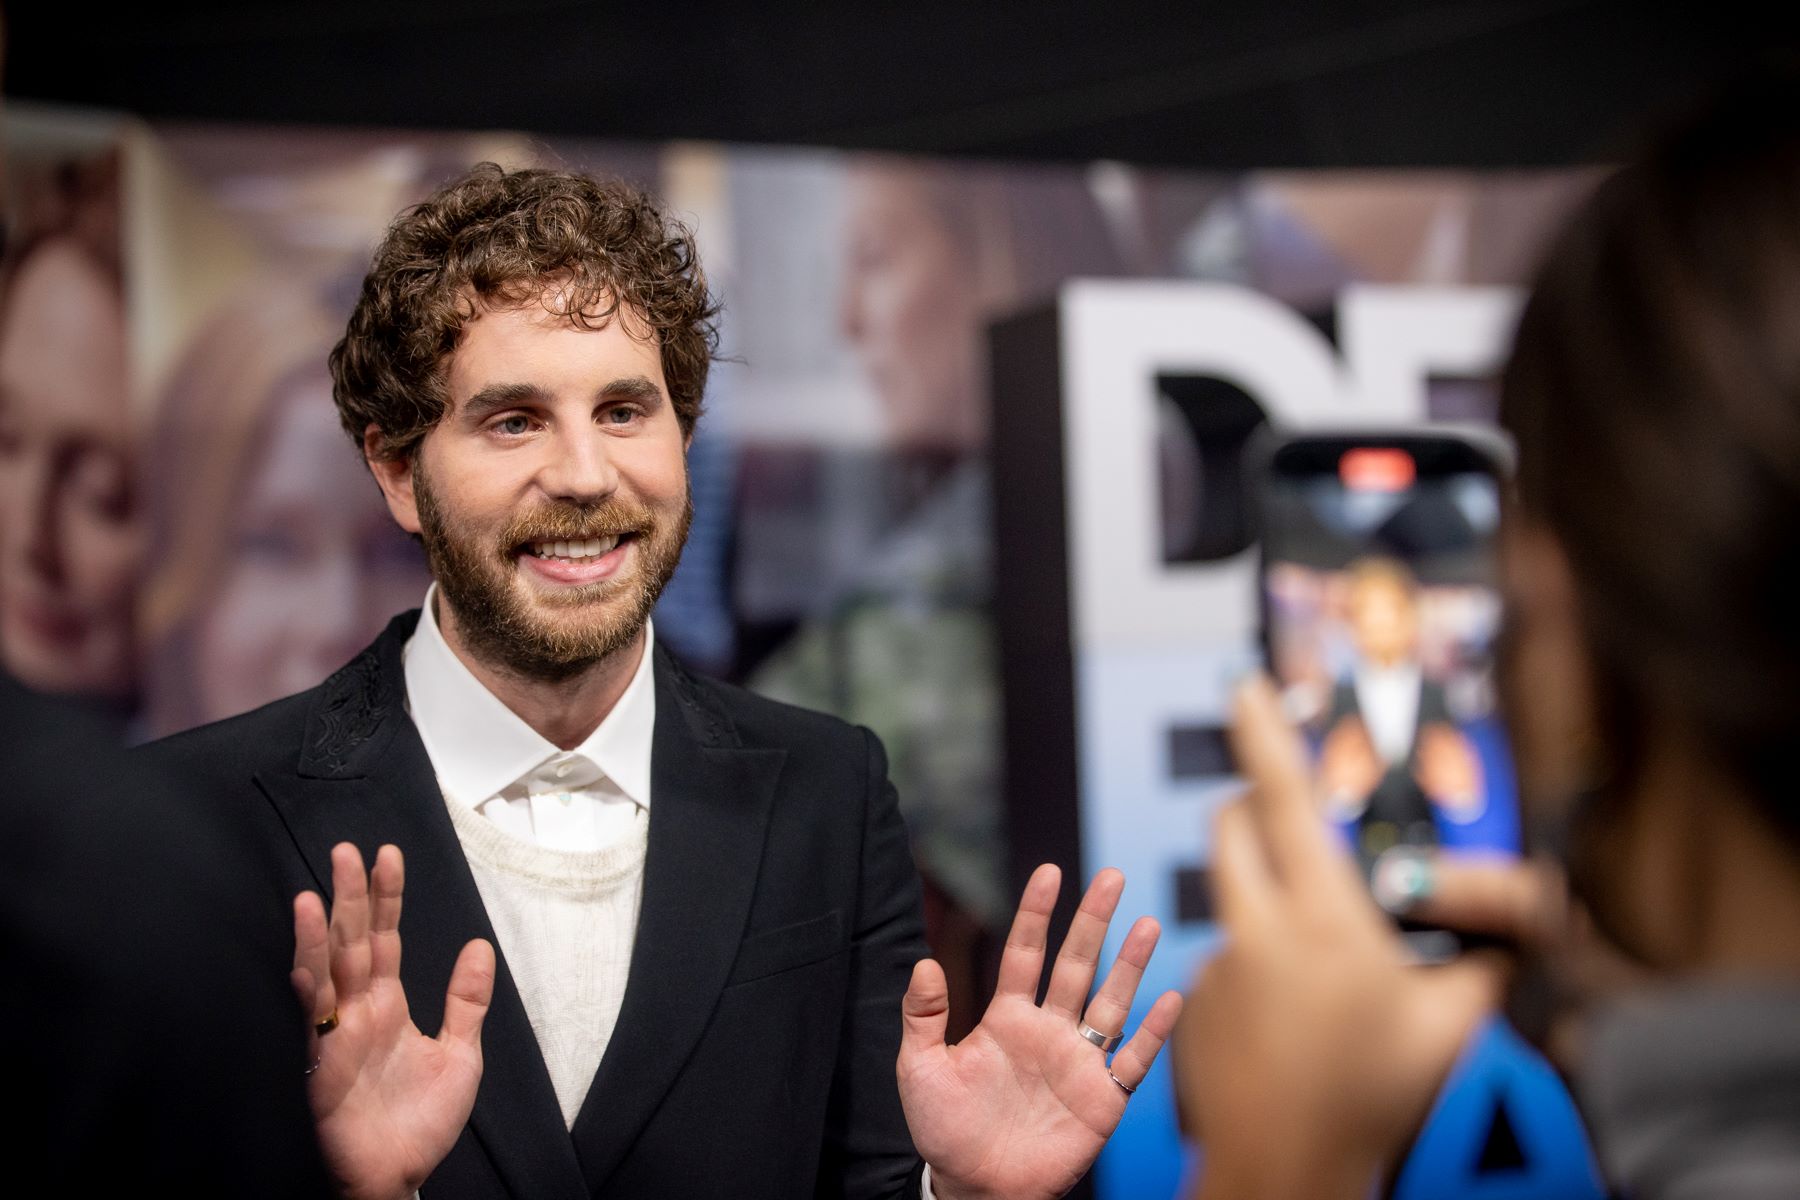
{"points": [[312, 954], [349, 922], [306, 991], [1079, 959], [924, 1010], [1022, 962], [1112, 1004], [306, 988], [1270, 754], [1132, 1062], [1520, 902], [1244, 893], [386, 884], [470, 992]]}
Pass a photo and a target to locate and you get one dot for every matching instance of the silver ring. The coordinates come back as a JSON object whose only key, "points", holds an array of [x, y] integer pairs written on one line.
{"points": [[1108, 1042], [1127, 1090], [315, 1067]]}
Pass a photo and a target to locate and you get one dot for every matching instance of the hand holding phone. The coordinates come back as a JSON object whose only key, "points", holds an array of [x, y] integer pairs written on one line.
{"points": [[1380, 609]]}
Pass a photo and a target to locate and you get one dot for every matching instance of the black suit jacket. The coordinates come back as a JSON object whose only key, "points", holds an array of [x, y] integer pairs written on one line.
{"points": [[754, 1053]]}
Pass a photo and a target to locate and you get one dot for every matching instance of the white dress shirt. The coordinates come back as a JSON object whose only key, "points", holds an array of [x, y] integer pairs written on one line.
{"points": [[556, 841], [1388, 699], [490, 760]]}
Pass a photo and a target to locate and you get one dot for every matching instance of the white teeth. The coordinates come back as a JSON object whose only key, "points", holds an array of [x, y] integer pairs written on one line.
{"points": [[578, 549]]}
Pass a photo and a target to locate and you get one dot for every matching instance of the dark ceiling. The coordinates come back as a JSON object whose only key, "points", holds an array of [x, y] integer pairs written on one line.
{"points": [[1253, 83]]}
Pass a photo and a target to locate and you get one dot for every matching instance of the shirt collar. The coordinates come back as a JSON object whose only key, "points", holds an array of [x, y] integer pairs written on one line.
{"points": [[478, 746]]}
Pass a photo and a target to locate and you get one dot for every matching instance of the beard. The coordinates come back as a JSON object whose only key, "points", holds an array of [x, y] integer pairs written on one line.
{"points": [[550, 636]]}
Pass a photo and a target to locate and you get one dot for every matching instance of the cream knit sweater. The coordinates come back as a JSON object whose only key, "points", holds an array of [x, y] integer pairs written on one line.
{"points": [[566, 921]]}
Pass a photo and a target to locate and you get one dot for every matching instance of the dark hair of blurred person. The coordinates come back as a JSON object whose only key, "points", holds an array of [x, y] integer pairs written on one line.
{"points": [[1654, 391], [273, 559], [1651, 674], [496, 239], [69, 534]]}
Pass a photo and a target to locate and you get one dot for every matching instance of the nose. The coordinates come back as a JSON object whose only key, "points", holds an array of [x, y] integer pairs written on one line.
{"points": [[579, 467]]}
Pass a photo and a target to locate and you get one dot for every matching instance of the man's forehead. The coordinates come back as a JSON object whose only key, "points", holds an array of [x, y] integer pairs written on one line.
{"points": [[561, 300], [500, 359]]}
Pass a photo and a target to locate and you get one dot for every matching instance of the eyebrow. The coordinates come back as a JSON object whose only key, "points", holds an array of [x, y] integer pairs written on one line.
{"points": [[633, 387], [497, 397]]}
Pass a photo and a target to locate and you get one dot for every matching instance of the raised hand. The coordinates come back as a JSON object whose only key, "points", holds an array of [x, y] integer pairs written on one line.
{"points": [[388, 1101], [1311, 1046], [1021, 1107]]}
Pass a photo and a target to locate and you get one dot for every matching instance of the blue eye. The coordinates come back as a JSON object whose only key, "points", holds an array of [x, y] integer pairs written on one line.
{"points": [[621, 415], [513, 425]]}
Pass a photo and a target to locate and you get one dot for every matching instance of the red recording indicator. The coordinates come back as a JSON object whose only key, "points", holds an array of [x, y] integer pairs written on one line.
{"points": [[1377, 469]]}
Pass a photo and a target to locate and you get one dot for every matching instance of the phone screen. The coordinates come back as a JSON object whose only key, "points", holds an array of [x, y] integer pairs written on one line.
{"points": [[1380, 612]]}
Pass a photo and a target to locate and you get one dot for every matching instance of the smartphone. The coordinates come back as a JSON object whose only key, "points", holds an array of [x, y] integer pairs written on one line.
{"points": [[1380, 607]]}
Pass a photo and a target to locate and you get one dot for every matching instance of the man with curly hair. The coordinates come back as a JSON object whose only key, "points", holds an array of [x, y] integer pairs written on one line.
{"points": [[710, 977]]}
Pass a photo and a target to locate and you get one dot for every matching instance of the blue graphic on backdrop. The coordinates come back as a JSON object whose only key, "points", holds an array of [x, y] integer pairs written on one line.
{"points": [[1504, 1128]]}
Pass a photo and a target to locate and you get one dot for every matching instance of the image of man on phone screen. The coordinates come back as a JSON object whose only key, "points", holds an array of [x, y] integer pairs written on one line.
{"points": [[1391, 752]]}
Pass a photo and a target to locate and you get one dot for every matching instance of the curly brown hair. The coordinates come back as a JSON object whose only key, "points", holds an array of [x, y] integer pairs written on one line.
{"points": [[502, 239]]}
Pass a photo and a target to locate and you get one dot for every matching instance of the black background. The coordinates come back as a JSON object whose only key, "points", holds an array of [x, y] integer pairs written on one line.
{"points": [[1257, 83]]}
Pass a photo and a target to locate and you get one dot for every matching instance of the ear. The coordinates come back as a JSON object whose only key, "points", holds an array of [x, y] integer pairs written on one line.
{"points": [[395, 477]]}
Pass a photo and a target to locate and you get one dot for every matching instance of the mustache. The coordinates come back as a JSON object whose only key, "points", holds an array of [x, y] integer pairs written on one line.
{"points": [[575, 522]]}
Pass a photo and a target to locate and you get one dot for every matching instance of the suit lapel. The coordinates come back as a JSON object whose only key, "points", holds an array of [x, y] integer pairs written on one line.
{"points": [[363, 776], [709, 811]]}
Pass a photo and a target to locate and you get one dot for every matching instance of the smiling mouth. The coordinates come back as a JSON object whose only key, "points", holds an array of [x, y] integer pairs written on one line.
{"points": [[576, 550]]}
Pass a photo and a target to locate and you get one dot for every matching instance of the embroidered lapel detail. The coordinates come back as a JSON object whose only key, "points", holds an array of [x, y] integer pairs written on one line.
{"points": [[707, 822], [349, 713], [363, 776]]}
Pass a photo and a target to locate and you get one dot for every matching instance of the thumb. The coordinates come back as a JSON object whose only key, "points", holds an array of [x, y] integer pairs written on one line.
{"points": [[925, 1009], [1521, 902], [471, 990]]}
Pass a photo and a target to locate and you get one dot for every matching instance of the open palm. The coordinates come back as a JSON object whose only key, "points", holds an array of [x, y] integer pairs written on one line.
{"points": [[1022, 1106], [388, 1101]]}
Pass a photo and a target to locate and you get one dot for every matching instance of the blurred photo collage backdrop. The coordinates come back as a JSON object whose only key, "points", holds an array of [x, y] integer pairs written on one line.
{"points": [[188, 534]]}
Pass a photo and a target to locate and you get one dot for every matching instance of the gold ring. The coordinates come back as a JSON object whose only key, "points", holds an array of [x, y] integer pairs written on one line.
{"points": [[327, 1025]]}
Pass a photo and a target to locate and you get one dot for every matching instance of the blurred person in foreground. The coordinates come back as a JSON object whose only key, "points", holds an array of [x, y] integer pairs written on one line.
{"points": [[272, 561], [710, 977], [1652, 679], [153, 1051]]}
